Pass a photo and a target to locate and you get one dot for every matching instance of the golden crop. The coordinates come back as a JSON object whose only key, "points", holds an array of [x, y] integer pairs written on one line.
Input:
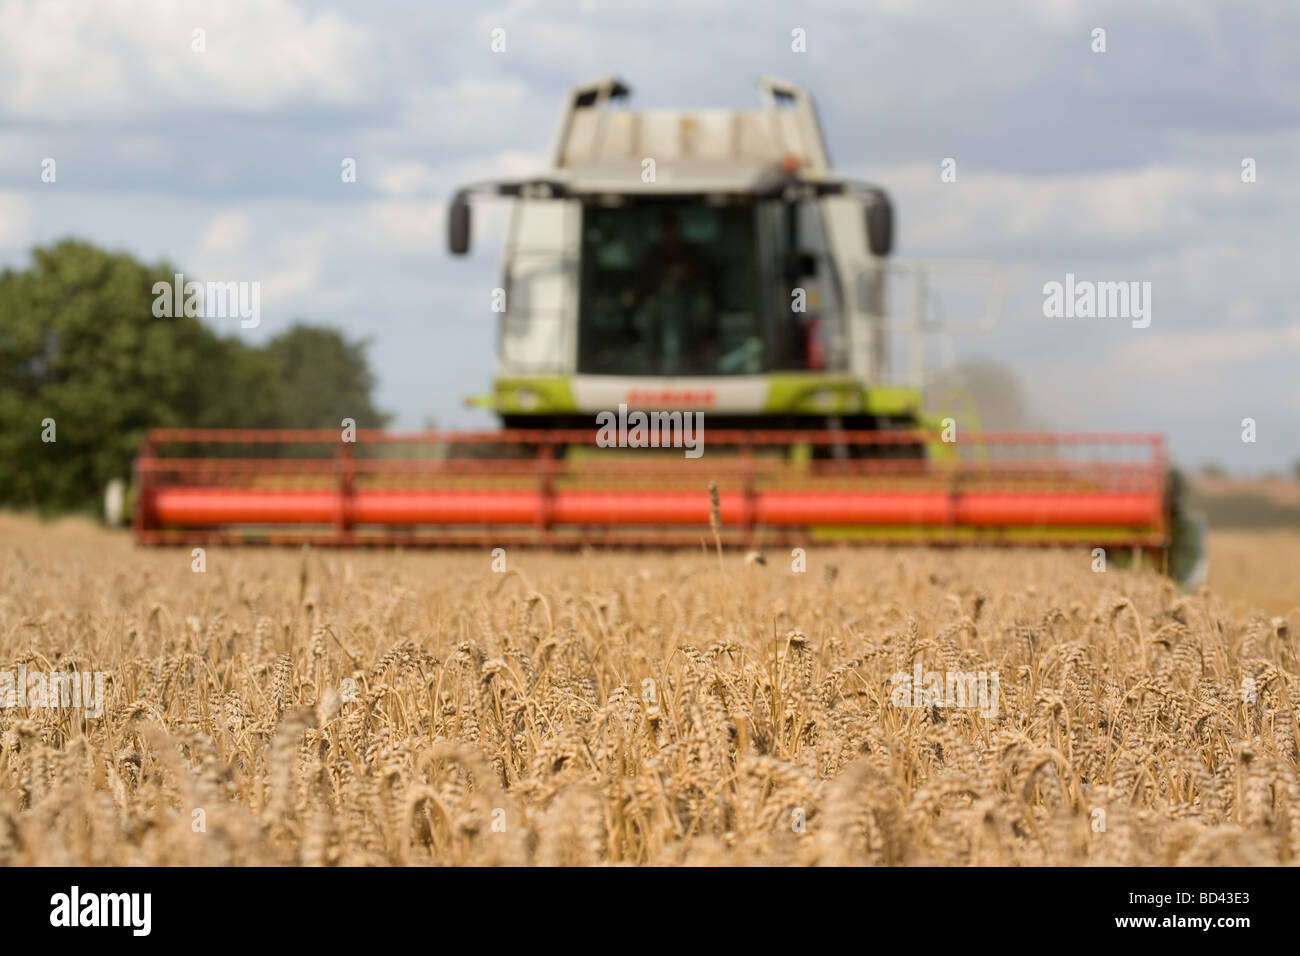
{"points": [[417, 708]]}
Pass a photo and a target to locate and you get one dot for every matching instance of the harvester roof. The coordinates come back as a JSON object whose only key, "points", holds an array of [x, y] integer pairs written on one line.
{"points": [[718, 148]]}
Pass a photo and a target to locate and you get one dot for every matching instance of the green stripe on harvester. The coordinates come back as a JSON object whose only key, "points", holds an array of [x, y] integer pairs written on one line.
{"points": [[534, 395], [802, 393], [817, 393]]}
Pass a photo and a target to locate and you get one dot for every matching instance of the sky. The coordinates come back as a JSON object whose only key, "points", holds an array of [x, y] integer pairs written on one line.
{"points": [[1122, 165]]}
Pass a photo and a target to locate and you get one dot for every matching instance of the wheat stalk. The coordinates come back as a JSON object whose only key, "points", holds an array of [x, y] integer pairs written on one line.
{"points": [[715, 520]]}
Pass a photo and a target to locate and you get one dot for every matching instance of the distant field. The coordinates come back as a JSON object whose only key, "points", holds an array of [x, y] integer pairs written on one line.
{"points": [[417, 708], [1258, 504], [1258, 569]]}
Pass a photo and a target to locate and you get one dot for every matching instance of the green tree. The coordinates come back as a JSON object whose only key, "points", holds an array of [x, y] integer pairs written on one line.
{"points": [[322, 378], [80, 345]]}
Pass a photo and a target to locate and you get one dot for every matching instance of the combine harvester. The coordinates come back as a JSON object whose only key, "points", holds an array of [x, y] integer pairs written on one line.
{"points": [[680, 262]]}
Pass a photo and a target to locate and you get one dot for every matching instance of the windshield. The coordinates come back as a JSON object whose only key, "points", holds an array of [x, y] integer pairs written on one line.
{"points": [[669, 288]]}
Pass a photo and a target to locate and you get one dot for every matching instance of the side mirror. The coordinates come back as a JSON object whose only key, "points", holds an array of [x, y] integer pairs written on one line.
{"points": [[458, 225], [880, 225]]}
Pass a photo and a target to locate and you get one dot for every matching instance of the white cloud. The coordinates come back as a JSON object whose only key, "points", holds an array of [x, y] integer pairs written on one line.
{"points": [[473, 112], [289, 264], [227, 235], [63, 60], [292, 278], [15, 219], [419, 181], [1242, 310], [1106, 207]]}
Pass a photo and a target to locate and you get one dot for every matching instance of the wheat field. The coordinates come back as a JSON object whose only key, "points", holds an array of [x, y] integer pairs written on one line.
{"points": [[318, 707]]}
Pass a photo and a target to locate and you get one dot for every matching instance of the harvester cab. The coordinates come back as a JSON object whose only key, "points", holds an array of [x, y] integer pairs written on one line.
{"points": [[670, 264], [694, 260]]}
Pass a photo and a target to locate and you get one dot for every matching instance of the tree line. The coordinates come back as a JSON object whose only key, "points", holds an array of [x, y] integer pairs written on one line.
{"points": [[83, 360]]}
